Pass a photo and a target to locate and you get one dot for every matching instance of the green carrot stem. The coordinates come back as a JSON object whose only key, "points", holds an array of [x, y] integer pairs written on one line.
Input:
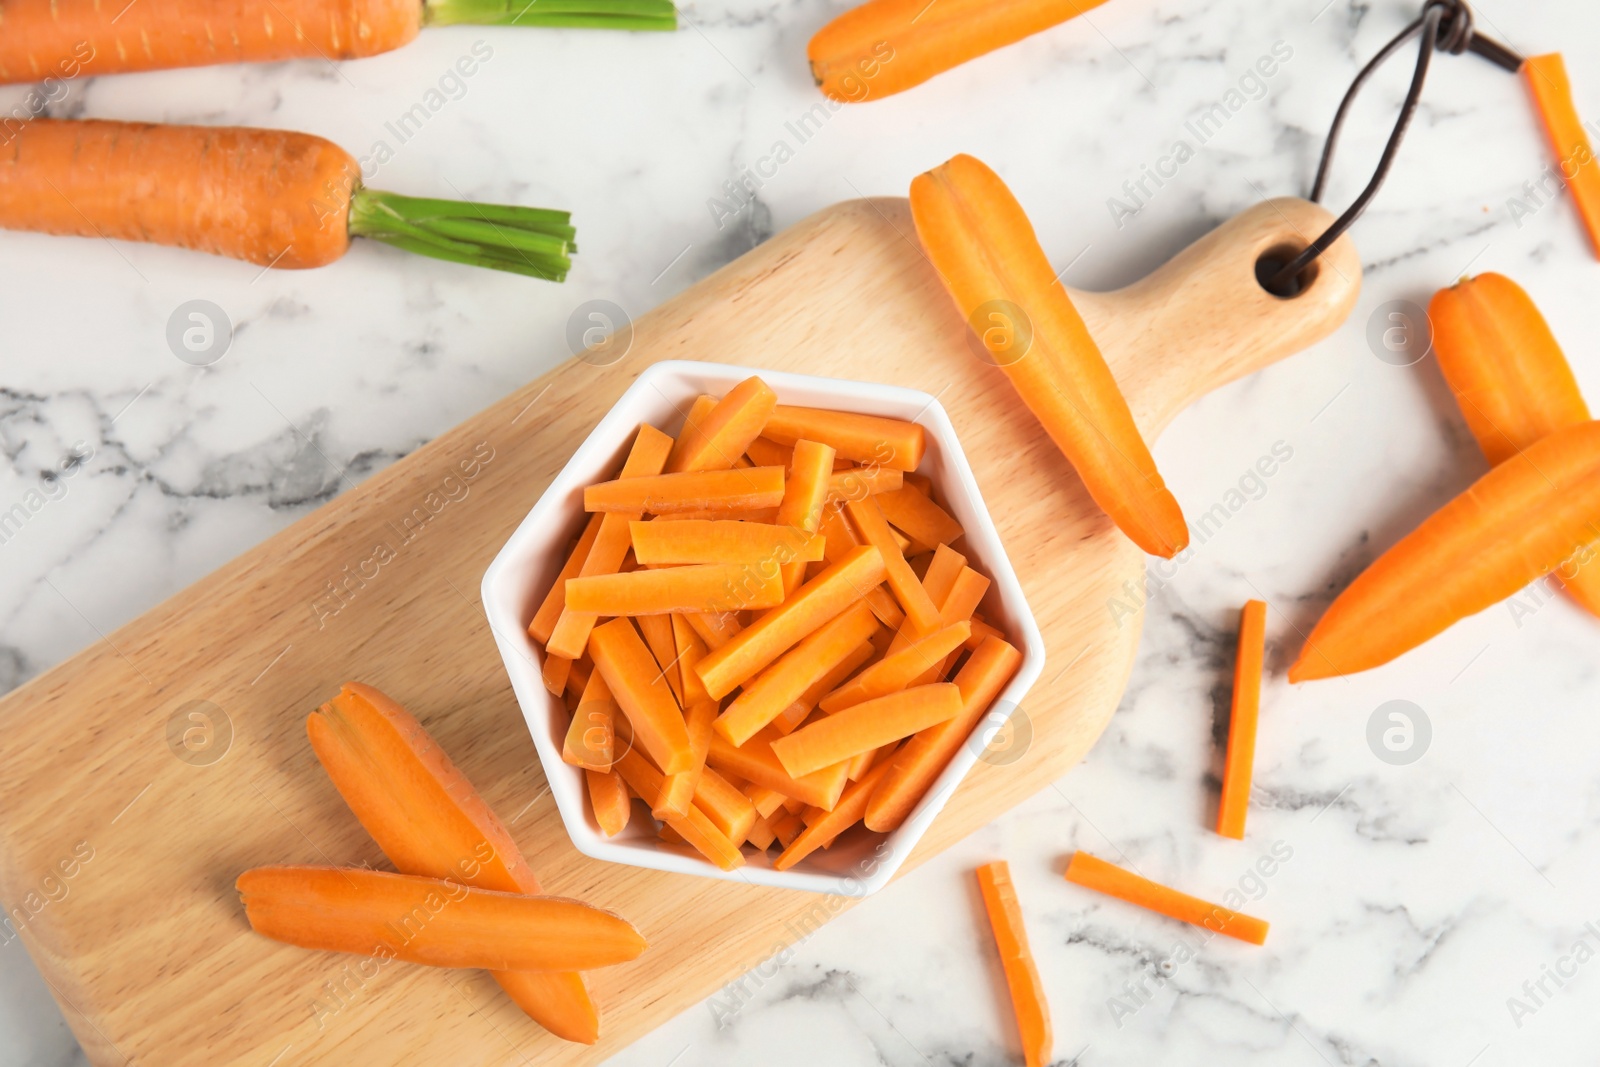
{"points": [[571, 14], [532, 241]]}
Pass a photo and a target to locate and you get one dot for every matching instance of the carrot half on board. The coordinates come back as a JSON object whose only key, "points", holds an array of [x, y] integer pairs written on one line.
{"points": [[1094, 873], [269, 197], [1552, 95], [1240, 765], [1016, 960], [1537, 511], [984, 248], [43, 38]]}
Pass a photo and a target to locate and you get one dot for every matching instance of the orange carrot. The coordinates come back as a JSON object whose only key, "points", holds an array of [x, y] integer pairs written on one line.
{"points": [[765, 452], [922, 520], [1552, 95], [703, 588], [981, 629], [1016, 960], [432, 921], [689, 650], [1522, 520], [788, 827], [765, 516], [1235, 802], [985, 250], [641, 691], [812, 605], [711, 541], [544, 620], [555, 672], [838, 537], [870, 524], [771, 692], [755, 762], [721, 435], [766, 801], [608, 796], [866, 439], [429, 820], [715, 629], [887, 46], [679, 790], [1103, 877], [883, 605], [761, 834], [750, 487], [857, 483], [866, 726], [588, 743], [829, 825], [804, 495], [695, 827], [897, 671], [729, 810], [796, 713], [914, 767], [663, 644]]}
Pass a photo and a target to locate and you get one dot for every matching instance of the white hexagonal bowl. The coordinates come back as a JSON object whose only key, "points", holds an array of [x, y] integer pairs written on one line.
{"points": [[860, 862]]}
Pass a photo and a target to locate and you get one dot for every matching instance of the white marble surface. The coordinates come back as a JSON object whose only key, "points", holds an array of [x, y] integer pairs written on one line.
{"points": [[1418, 898]]}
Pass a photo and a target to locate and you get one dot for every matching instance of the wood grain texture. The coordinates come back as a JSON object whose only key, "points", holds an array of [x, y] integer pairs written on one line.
{"points": [[147, 948]]}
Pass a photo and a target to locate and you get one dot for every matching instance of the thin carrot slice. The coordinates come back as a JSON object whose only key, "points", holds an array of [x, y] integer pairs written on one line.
{"points": [[755, 762], [720, 436], [589, 740], [352, 909], [554, 673], [694, 826], [608, 796], [858, 483], [866, 726], [729, 810], [702, 588], [773, 690], [918, 764], [825, 827], [874, 530], [1552, 95], [922, 520], [895, 672], [681, 789], [985, 250], [869, 440], [544, 620], [1235, 802], [1016, 960], [1103, 877], [804, 495], [775, 632], [641, 691], [711, 541], [1522, 520], [664, 494]]}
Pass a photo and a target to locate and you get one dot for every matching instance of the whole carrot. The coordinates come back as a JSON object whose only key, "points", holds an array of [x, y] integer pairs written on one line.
{"points": [[271, 197], [43, 38]]}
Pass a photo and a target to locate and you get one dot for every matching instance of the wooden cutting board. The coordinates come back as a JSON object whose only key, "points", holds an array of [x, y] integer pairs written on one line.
{"points": [[117, 858]]}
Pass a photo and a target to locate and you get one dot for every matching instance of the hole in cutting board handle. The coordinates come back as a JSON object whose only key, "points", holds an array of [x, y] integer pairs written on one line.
{"points": [[1273, 260]]}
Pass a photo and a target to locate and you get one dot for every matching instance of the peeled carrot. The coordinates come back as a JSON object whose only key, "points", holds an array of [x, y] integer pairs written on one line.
{"points": [[838, 538], [711, 541], [641, 691], [804, 495], [807, 702], [716, 440], [590, 736], [544, 620], [678, 791], [429, 820], [749, 487], [866, 726], [898, 670], [985, 250], [663, 644], [1016, 960], [887, 46], [829, 825], [921, 612], [432, 921], [1103, 877], [1552, 95], [765, 452], [755, 762], [1521, 520], [856, 483], [761, 834], [813, 604], [1235, 802], [693, 825], [772, 691], [766, 800], [921, 519], [715, 629], [788, 827], [729, 810], [708, 587], [555, 672], [869, 440], [609, 798], [982, 629]]}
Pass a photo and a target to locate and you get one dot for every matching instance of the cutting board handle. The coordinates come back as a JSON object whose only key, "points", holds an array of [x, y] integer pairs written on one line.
{"points": [[1202, 319]]}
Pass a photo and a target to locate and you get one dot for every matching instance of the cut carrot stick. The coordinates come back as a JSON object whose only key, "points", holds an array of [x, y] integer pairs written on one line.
{"points": [[664, 494], [884, 606], [858, 483], [694, 826], [608, 796], [804, 495], [1103, 877], [765, 516], [838, 538], [715, 629], [761, 834], [920, 518], [1522, 520], [1235, 802], [680, 790], [827, 826], [698, 410], [544, 620], [985, 250], [1511, 380], [1552, 95], [578, 679], [663, 645], [755, 762], [716, 440], [866, 726], [555, 672], [916, 766], [690, 650], [796, 713], [895, 672], [981, 630], [429, 820], [772, 691], [864, 439], [571, 633], [1016, 960], [432, 921], [589, 740], [702, 588], [641, 691], [729, 810], [766, 800], [788, 827], [874, 530], [705, 541]]}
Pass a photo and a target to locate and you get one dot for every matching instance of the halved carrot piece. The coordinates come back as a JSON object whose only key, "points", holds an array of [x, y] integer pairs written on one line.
{"points": [[608, 796], [920, 518], [775, 632], [1235, 802], [432, 921], [865, 439], [641, 691], [772, 691], [915, 767], [874, 530], [702, 588], [544, 620], [719, 437], [866, 726], [664, 494], [1522, 520], [1016, 960], [694, 826], [1552, 95], [804, 496], [680, 790], [897, 671], [858, 483], [1103, 877], [590, 736], [827, 826], [755, 762], [984, 248], [712, 541]]}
